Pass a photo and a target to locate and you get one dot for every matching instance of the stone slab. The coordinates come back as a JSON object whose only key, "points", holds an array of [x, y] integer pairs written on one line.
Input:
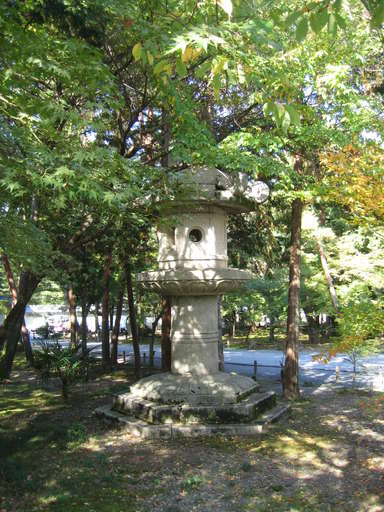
{"points": [[140, 428], [155, 413], [136, 427], [213, 389], [274, 414]]}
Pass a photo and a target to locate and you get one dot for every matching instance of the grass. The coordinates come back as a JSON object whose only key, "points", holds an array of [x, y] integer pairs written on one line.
{"points": [[56, 456], [260, 340]]}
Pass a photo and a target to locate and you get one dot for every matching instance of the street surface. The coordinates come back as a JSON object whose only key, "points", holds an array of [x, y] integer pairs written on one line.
{"points": [[312, 372]]}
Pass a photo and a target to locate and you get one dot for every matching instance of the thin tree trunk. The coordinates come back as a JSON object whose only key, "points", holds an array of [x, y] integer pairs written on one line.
{"points": [[27, 343], [166, 311], [24, 331], [291, 368], [116, 327], [72, 315], [166, 138], [152, 340], [166, 352], [234, 326], [132, 320], [271, 332], [105, 349], [97, 326], [84, 327], [10, 278], [111, 315], [220, 337], [328, 276], [10, 330], [139, 330], [248, 334]]}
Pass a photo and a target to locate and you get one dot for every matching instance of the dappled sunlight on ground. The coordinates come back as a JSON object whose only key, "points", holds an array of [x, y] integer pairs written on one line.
{"points": [[57, 456]]}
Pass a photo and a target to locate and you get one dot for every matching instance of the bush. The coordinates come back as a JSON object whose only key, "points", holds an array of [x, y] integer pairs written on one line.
{"points": [[360, 325], [69, 364], [42, 332]]}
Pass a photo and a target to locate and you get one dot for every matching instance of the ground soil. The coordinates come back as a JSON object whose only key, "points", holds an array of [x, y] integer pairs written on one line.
{"points": [[328, 455]]}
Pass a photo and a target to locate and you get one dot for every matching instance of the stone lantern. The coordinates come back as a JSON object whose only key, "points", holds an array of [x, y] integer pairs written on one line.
{"points": [[193, 271]]}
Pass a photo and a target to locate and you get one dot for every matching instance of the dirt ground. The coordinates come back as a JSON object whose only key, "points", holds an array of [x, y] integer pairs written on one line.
{"points": [[328, 455]]}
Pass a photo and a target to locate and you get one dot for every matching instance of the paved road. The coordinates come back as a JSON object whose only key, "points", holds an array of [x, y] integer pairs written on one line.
{"points": [[312, 372]]}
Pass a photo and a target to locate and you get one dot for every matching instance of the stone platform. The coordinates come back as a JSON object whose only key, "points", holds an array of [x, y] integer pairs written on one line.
{"points": [[171, 405], [145, 430], [155, 413], [212, 389]]}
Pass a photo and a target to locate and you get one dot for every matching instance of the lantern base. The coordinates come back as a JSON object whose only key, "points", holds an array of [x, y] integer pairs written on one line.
{"points": [[214, 389]]}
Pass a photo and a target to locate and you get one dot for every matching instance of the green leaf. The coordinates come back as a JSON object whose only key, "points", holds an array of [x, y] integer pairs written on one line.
{"points": [[337, 5], [293, 114], [285, 121], [341, 21], [150, 58], [318, 20], [268, 108], [302, 30], [378, 16], [160, 66], [332, 25], [181, 68], [292, 18], [136, 51]]}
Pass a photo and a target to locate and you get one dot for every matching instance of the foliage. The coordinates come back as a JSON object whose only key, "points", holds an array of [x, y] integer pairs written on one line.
{"points": [[67, 363], [96, 97], [355, 177], [273, 289], [361, 324]]}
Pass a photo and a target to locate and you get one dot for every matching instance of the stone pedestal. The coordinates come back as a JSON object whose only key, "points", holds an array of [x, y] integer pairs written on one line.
{"points": [[195, 335]]}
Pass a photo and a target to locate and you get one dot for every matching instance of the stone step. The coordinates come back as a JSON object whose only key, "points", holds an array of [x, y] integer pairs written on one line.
{"points": [[155, 413], [135, 426], [274, 414], [142, 429]]}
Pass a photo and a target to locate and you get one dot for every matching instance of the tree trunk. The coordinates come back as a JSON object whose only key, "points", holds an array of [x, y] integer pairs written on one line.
{"points": [[111, 315], [139, 330], [84, 327], [291, 368], [10, 278], [271, 332], [234, 326], [72, 315], [166, 138], [220, 337], [116, 327], [97, 326], [328, 276], [26, 343], [132, 320], [105, 349], [10, 330], [152, 341], [24, 331], [166, 352]]}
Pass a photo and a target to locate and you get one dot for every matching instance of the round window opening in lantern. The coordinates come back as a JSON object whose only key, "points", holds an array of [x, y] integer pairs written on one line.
{"points": [[195, 235]]}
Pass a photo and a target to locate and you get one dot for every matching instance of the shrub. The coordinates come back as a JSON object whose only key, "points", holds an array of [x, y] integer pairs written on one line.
{"points": [[69, 364], [360, 326]]}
